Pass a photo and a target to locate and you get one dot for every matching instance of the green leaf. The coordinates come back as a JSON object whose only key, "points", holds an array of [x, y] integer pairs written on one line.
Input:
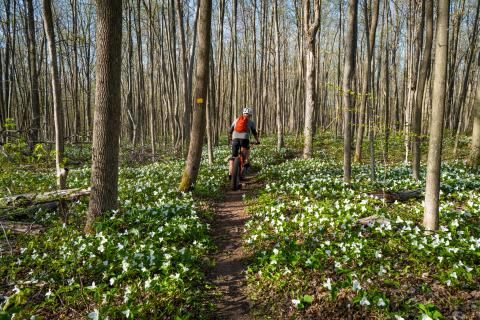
{"points": [[307, 299]]}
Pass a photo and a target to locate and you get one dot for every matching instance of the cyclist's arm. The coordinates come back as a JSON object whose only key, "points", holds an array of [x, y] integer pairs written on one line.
{"points": [[230, 131], [255, 134]]}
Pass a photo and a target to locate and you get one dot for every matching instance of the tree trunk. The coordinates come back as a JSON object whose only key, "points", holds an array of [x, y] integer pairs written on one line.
{"points": [[184, 61], [310, 31], [474, 158], [57, 96], [366, 106], [279, 103], [463, 95], [422, 78], [132, 125], [106, 129], [75, 97], [201, 85], [348, 73], [32, 67], [151, 109], [432, 191]]}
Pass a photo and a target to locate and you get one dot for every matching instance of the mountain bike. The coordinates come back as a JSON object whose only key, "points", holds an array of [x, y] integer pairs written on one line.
{"points": [[239, 169]]}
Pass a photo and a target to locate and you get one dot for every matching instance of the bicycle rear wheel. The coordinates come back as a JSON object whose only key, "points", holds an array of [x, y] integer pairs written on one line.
{"points": [[236, 174]]}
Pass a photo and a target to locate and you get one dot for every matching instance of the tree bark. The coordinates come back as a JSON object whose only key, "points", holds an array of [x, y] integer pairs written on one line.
{"points": [[201, 85], [104, 181], [184, 61], [422, 78], [457, 125], [310, 31], [348, 73], [32, 67], [371, 19], [474, 158], [57, 96], [279, 104], [432, 191]]}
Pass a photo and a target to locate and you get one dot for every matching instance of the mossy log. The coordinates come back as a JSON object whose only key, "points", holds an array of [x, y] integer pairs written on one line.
{"points": [[29, 199], [400, 196]]}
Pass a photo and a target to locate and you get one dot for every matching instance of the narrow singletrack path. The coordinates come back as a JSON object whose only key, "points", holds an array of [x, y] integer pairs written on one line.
{"points": [[229, 275]]}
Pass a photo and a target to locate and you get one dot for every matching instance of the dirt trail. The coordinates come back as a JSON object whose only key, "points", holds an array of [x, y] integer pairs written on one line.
{"points": [[229, 274]]}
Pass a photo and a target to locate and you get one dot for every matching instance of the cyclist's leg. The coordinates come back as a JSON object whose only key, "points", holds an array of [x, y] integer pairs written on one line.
{"points": [[246, 147], [235, 149]]}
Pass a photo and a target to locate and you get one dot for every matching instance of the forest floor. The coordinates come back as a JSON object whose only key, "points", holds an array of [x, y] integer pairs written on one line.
{"points": [[229, 276]]}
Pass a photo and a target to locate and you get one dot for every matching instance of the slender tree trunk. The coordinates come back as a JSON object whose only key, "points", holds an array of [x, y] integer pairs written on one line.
{"points": [[106, 129], [75, 97], [279, 104], [432, 191], [422, 78], [386, 68], [463, 95], [140, 106], [366, 106], [132, 126], [211, 101], [184, 61], [474, 158], [57, 96], [453, 63], [32, 67], [6, 71], [349, 70], [310, 31], [201, 85], [151, 108]]}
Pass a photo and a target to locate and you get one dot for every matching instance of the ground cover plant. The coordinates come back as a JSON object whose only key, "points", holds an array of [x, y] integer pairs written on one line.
{"points": [[311, 257], [146, 260]]}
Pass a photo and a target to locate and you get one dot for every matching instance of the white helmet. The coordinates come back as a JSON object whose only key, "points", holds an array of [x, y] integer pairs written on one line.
{"points": [[248, 110]]}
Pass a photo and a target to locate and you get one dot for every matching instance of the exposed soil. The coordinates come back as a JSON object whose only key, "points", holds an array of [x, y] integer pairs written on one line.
{"points": [[228, 276]]}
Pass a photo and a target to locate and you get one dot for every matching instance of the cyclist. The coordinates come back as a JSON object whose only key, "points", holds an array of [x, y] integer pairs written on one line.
{"points": [[239, 135]]}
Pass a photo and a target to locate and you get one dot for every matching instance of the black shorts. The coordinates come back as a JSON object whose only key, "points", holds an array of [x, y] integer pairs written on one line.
{"points": [[237, 143]]}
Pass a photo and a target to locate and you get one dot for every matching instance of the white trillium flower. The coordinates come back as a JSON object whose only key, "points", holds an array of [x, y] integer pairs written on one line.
{"points": [[399, 317], [364, 301], [94, 315], [296, 302], [126, 313], [382, 271], [112, 281], [381, 303], [356, 285], [453, 275], [426, 317], [92, 286], [147, 283], [48, 294], [328, 284]]}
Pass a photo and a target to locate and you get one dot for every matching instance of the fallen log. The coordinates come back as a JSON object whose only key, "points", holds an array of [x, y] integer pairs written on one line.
{"points": [[403, 195], [29, 199], [28, 213], [21, 227], [371, 220]]}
